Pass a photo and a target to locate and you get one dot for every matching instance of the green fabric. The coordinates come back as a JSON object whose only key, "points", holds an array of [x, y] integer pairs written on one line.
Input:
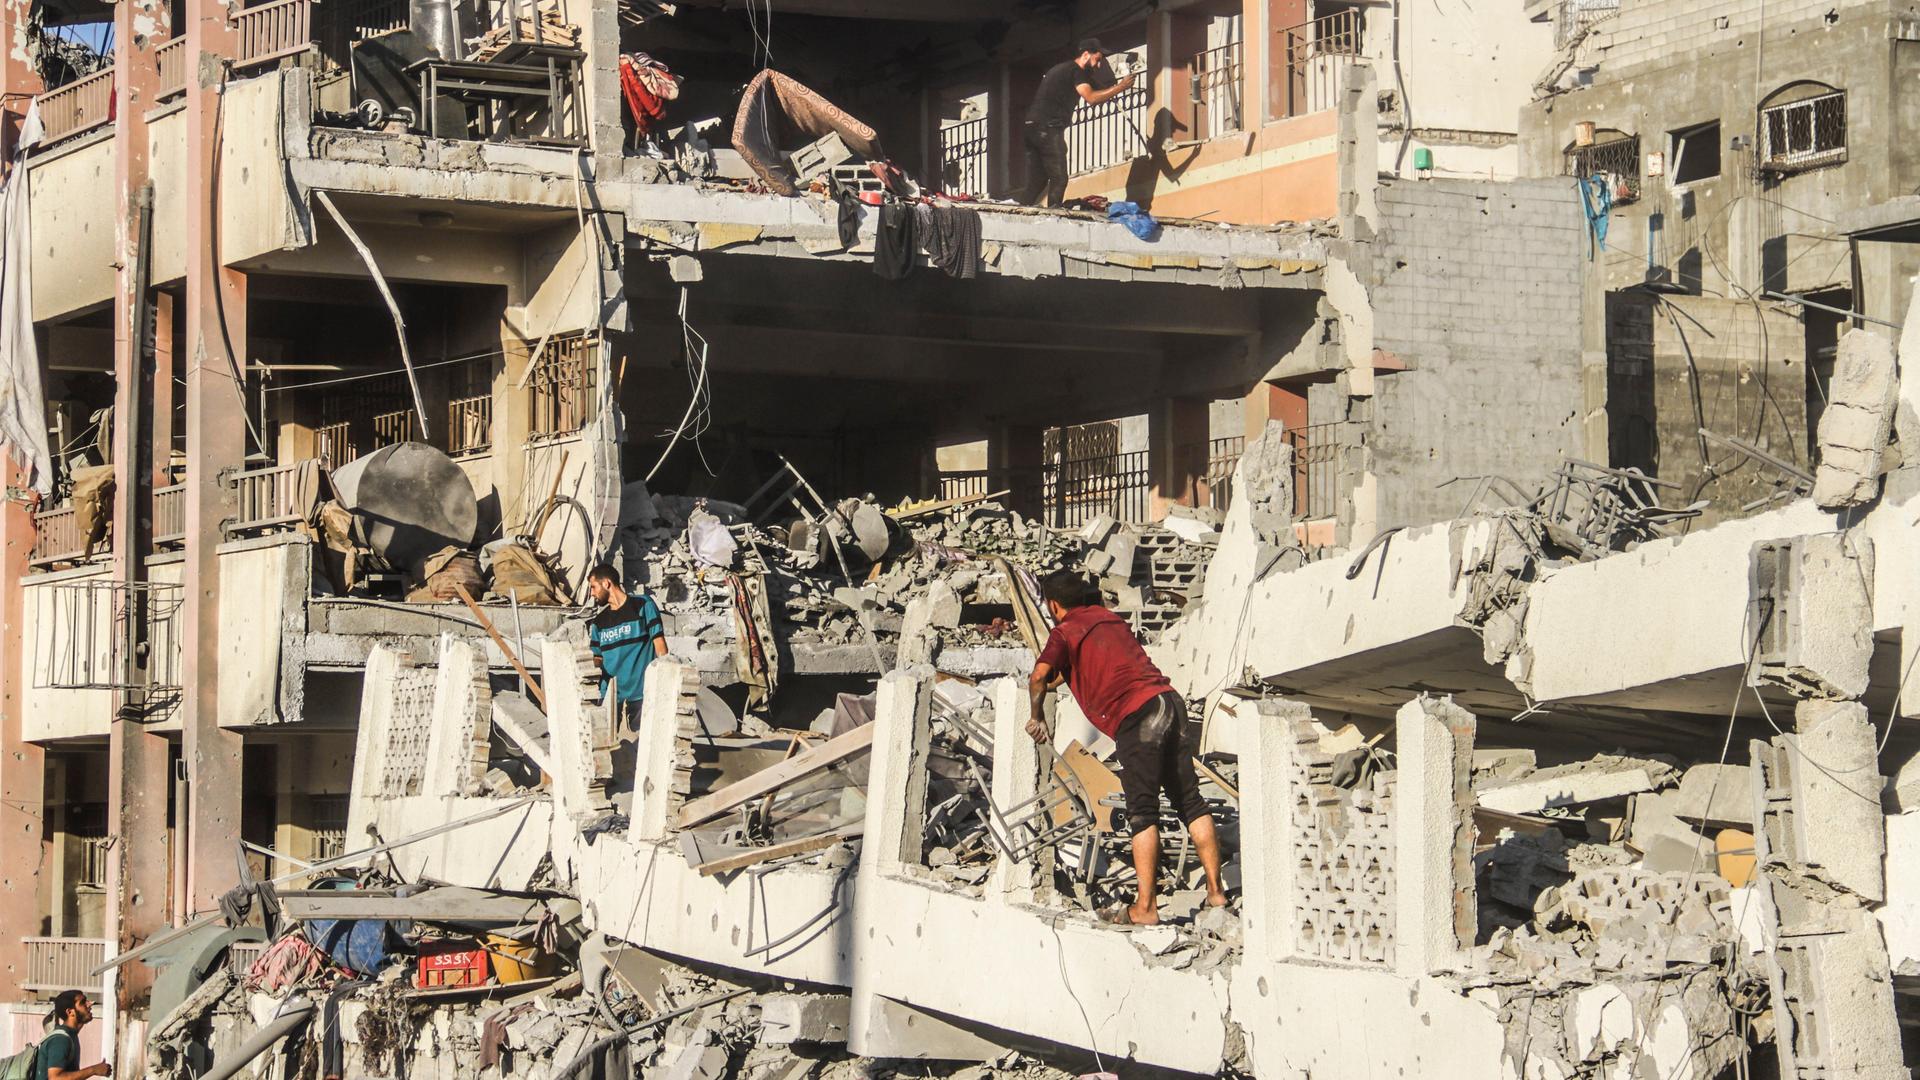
{"points": [[60, 1050]]}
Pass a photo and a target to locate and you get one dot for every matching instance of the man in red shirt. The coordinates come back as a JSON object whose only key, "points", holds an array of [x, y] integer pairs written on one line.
{"points": [[1132, 703]]}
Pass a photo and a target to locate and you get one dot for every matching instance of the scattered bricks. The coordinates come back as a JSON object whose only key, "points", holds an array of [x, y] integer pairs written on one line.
{"points": [[1097, 562], [1123, 547], [1096, 531]]}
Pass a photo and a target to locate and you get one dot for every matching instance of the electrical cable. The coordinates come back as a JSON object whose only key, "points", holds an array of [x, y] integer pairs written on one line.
{"points": [[1060, 954]]}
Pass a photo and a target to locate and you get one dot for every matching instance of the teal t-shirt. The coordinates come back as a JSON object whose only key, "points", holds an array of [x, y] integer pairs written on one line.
{"points": [[59, 1050], [623, 639]]}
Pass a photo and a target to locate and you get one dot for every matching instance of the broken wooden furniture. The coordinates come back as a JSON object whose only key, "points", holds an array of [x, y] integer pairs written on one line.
{"points": [[528, 80]]}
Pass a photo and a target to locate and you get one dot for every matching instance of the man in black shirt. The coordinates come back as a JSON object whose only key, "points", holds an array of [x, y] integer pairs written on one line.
{"points": [[1064, 86]]}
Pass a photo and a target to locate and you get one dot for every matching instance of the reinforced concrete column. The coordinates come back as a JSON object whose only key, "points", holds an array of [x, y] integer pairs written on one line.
{"points": [[897, 771], [1016, 778], [22, 764], [217, 432], [138, 899], [1267, 800], [23, 767], [1435, 912], [1177, 437], [653, 801], [1015, 455], [17, 75], [1817, 805]]}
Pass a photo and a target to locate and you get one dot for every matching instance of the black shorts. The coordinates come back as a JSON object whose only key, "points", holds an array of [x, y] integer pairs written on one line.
{"points": [[1152, 755]]}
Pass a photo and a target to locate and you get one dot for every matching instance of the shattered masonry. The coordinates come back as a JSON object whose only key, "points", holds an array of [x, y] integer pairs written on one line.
{"points": [[1498, 425]]}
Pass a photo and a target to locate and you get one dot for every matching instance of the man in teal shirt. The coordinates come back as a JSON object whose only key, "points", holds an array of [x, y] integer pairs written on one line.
{"points": [[59, 1055], [626, 635]]}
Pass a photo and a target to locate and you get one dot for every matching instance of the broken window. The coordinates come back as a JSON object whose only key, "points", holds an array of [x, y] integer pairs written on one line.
{"points": [[1612, 155], [1695, 153], [1804, 134]]}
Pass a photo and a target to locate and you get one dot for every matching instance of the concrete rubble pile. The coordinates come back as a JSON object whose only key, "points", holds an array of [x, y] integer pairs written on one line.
{"points": [[413, 997]]}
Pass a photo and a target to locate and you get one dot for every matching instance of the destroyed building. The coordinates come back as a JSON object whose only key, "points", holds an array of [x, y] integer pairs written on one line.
{"points": [[1555, 725]]}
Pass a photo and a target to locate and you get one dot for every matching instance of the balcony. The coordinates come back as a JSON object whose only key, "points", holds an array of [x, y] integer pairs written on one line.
{"points": [[62, 963], [1317, 55], [1216, 91], [1110, 133], [80, 106]]}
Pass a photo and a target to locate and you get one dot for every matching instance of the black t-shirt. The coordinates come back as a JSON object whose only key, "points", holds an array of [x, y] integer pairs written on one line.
{"points": [[1053, 103]]}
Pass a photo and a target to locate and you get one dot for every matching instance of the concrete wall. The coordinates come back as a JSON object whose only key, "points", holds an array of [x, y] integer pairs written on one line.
{"points": [[1477, 289], [1744, 363], [48, 634], [167, 168], [1665, 66], [1285, 171]]}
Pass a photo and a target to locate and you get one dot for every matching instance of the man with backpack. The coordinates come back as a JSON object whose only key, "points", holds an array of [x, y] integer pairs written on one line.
{"points": [[59, 1053]]}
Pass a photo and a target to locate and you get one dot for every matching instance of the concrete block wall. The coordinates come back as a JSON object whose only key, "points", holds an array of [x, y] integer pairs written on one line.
{"points": [[1477, 288], [1674, 32]]}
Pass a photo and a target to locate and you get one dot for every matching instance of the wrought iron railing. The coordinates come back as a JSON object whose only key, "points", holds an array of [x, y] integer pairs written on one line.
{"points": [[271, 31], [563, 384], [171, 57], [963, 157], [93, 861], [1109, 133], [1216, 91], [98, 634], [1316, 470], [1317, 55], [1066, 493], [1223, 457], [80, 106], [1577, 17], [62, 963], [1617, 159]]}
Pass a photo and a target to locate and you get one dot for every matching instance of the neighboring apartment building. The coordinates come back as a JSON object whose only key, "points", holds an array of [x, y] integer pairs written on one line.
{"points": [[1731, 140], [554, 295]]}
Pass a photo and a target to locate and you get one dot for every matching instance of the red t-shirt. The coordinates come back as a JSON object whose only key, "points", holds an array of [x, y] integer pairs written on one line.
{"points": [[1106, 668]]}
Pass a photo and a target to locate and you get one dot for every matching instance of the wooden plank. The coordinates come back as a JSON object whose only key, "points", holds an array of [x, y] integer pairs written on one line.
{"points": [[945, 504], [777, 776], [1096, 781], [1208, 772], [776, 851], [533, 684]]}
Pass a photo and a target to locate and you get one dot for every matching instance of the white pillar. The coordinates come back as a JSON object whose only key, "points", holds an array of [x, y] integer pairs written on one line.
{"points": [[1267, 861], [1016, 778], [660, 719], [1435, 917]]}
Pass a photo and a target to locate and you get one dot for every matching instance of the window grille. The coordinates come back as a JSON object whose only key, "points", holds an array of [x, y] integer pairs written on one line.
{"points": [[1804, 134]]}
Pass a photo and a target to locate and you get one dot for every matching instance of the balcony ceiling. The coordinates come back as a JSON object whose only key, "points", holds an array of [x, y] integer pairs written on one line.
{"points": [[897, 10]]}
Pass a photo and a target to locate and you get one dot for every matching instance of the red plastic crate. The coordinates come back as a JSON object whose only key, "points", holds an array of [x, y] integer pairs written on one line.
{"points": [[451, 966]]}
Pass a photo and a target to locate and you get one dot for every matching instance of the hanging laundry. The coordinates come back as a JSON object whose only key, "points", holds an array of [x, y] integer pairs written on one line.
{"points": [[896, 242], [951, 236], [849, 218]]}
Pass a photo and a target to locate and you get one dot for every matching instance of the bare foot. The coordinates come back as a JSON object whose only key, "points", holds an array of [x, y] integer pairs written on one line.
{"points": [[1217, 899]]}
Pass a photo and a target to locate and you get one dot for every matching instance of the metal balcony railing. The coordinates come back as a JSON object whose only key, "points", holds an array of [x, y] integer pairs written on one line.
{"points": [[171, 57], [1317, 55], [963, 157], [1216, 91], [271, 31], [1109, 133], [78, 107], [61, 963]]}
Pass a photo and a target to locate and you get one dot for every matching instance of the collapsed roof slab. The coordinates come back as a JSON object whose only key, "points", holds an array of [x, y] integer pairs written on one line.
{"points": [[1015, 241], [1587, 632]]}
